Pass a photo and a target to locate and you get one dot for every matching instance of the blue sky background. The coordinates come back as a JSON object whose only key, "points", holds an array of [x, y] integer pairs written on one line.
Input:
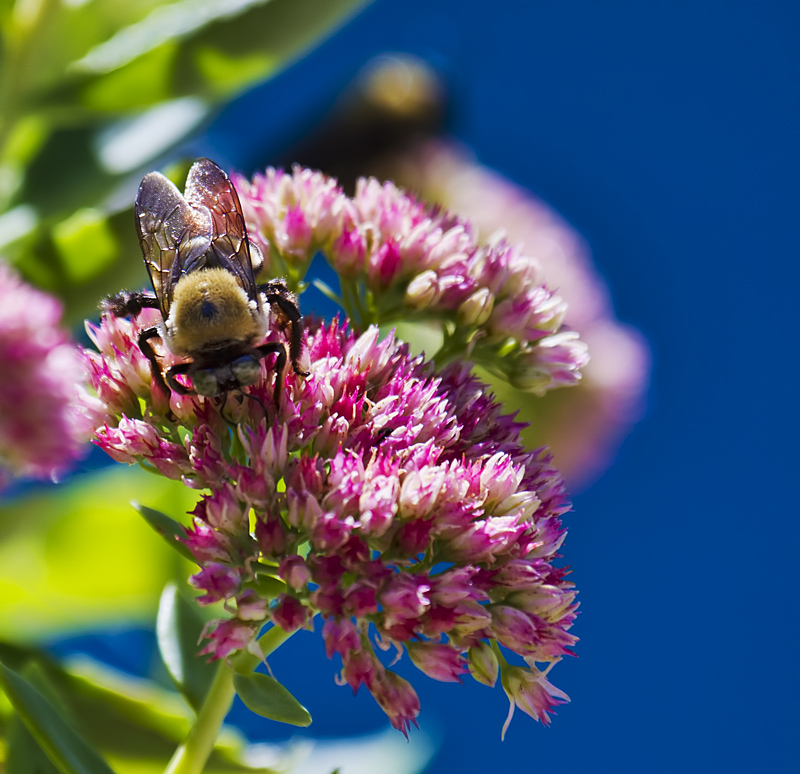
{"points": [[667, 133]]}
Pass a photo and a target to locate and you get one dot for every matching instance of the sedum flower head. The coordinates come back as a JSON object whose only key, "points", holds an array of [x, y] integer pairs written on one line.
{"points": [[393, 502], [401, 260], [41, 428]]}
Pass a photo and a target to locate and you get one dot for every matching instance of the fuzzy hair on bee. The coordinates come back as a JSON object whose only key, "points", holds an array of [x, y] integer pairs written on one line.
{"points": [[202, 267]]}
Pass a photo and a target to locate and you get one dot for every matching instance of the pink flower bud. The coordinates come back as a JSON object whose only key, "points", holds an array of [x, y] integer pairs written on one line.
{"points": [[289, 613], [218, 581], [439, 661], [271, 535], [360, 667], [340, 637], [397, 699], [251, 607], [304, 511], [377, 504], [423, 291], [514, 628], [476, 309], [294, 572], [483, 663], [384, 266], [228, 637], [413, 537], [348, 252], [405, 596], [223, 511]]}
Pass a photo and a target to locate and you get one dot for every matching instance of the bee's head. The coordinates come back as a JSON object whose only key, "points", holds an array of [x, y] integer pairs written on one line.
{"points": [[241, 372]]}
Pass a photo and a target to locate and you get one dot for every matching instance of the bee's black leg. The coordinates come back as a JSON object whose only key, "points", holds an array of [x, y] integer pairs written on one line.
{"points": [[175, 385], [278, 295], [147, 351], [280, 365], [223, 399], [127, 303]]}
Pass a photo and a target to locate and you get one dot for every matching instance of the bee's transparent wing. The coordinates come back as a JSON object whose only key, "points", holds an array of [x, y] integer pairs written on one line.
{"points": [[174, 236], [209, 187]]}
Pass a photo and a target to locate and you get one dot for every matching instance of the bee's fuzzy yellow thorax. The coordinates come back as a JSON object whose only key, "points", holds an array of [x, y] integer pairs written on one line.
{"points": [[210, 307]]}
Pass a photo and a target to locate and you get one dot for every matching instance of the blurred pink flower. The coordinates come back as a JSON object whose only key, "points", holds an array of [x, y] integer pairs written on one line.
{"points": [[582, 426], [42, 430]]}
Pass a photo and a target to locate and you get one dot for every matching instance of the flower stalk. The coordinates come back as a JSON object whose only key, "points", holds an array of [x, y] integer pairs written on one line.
{"points": [[192, 756]]}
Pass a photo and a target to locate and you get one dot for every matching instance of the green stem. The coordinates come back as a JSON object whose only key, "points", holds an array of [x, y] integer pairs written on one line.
{"points": [[192, 755]]}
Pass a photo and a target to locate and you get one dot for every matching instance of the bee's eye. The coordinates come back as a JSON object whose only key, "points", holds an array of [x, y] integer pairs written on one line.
{"points": [[205, 382], [246, 369]]}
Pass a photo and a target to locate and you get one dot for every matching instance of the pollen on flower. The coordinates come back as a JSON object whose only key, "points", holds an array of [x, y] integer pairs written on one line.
{"points": [[393, 501]]}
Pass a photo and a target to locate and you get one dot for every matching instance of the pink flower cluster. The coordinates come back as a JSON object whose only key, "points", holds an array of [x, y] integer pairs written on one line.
{"points": [[394, 502], [42, 430], [583, 426], [399, 259]]}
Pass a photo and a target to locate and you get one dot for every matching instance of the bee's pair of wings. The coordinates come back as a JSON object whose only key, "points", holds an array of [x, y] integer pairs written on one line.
{"points": [[202, 228]]}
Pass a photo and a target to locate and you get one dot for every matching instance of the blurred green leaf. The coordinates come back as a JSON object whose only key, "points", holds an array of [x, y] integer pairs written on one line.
{"points": [[173, 51], [85, 243], [179, 628], [24, 753], [61, 743], [94, 93], [134, 723], [169, 529], [79, 555], [265, 696]]}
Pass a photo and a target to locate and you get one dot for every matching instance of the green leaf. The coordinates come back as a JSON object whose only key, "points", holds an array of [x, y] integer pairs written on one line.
{"points": [[122, 716], [210, 49], [24, 753], [171, 530], [265, 696], [85, 244], [61, 743], [136, 723], [179, 627], [79, 556]]}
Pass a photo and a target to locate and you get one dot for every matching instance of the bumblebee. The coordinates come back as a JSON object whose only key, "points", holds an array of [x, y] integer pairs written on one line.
{"points": [[201, 266]]}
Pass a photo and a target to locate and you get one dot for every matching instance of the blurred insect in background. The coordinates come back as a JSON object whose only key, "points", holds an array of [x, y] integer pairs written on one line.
{"points": [[203, 268]]}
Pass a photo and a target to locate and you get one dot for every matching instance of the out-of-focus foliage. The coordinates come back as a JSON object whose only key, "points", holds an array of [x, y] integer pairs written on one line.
{"points": [[81, 555], [94, 93], [180, 628], [79, 709]]}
